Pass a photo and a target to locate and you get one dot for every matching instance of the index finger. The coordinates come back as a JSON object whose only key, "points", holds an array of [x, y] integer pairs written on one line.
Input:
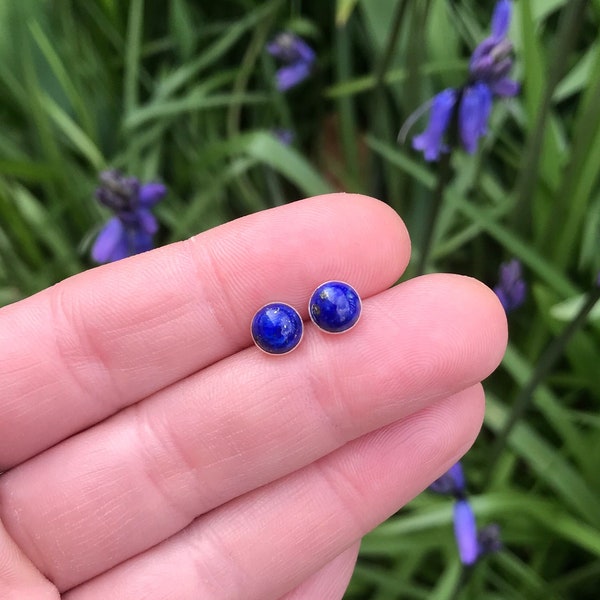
{"points": [[84, 349]]}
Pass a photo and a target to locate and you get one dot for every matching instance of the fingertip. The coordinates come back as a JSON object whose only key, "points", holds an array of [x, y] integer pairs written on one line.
{"points": [[383, 227], [349, 237], [493, 314], [331, 581], [471, 309]]}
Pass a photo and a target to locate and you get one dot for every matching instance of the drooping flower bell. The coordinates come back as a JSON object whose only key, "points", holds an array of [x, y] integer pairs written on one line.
{"points": [[472, 543], [297, 57], [132, 229], [470, 106], [465, 532], [431, 141], [511, 288], [452, 482]]}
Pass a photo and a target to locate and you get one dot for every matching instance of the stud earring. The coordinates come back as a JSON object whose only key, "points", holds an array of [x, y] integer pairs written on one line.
{"points": [[335, 307], [277, 328]]}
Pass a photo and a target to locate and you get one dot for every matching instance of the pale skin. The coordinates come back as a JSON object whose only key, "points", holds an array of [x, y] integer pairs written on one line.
{"points": [[152, 452]]}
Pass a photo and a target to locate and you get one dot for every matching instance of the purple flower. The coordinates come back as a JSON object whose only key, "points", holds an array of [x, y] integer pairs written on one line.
{"points": [[491, 61], [473, 544], [489, 539], [471, 105], [465, 532], [430, 142], [285, 136], [451, 482], [511, 289], [473, 115], [297, 58], [132, 228]]}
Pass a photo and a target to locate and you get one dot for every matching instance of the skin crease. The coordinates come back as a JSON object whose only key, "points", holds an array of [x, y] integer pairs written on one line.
{"points": [[152, 454], [331, 581]]}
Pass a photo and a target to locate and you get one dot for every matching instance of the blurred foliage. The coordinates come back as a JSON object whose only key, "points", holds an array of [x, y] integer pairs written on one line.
{"points": [[184, 91]]}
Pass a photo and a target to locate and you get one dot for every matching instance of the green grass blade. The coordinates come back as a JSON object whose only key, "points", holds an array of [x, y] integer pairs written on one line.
{"points": [[133, 45]]}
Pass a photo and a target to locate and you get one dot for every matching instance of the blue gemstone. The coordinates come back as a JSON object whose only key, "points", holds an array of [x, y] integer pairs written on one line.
{"points": [[335, 307], [277, 328]]}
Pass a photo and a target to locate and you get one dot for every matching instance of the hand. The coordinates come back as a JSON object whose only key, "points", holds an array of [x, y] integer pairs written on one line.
{"points": [[151, 452]]}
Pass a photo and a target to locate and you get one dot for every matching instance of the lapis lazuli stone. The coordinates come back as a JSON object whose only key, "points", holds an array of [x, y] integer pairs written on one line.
{"points": [[335, 307], [277, 328]]}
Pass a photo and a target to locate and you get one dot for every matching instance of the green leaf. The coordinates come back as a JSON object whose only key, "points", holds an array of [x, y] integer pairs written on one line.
{"points": [[62, 75], [191, 103], [188, 72], [74, 134], [40, 221], [557, 415], [133, 47], [287, 161], [366, 83], [343, 11], [548, 464], [27, 170], [566, 310], [182, 27], [578, 77]]}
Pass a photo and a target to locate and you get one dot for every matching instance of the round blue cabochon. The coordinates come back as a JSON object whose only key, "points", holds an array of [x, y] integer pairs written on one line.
{"points": [[277, 328], [335, 307]]}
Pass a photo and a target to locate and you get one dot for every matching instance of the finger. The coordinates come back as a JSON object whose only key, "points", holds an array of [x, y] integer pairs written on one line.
{"points": [[329, 582], [18, 577], [109, 337], [264, 544], [129, 483], [170, 578]]}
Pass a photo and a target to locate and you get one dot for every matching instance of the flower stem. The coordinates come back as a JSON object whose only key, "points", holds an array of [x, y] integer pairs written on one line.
{"points": [[544, 365], [390, 45], [443, 176], [461, 582]]}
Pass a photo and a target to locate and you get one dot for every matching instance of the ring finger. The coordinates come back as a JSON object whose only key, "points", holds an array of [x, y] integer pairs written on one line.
{"points": [[263, 544]]}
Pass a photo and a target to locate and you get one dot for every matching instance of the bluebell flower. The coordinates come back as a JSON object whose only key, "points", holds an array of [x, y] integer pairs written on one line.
{"points": [[473, 544], [430, 142], [491, 60], [470, 106], [297, 57], [511, 289], [132, 229], [473, 115], [451, 482], [465, 532]]}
